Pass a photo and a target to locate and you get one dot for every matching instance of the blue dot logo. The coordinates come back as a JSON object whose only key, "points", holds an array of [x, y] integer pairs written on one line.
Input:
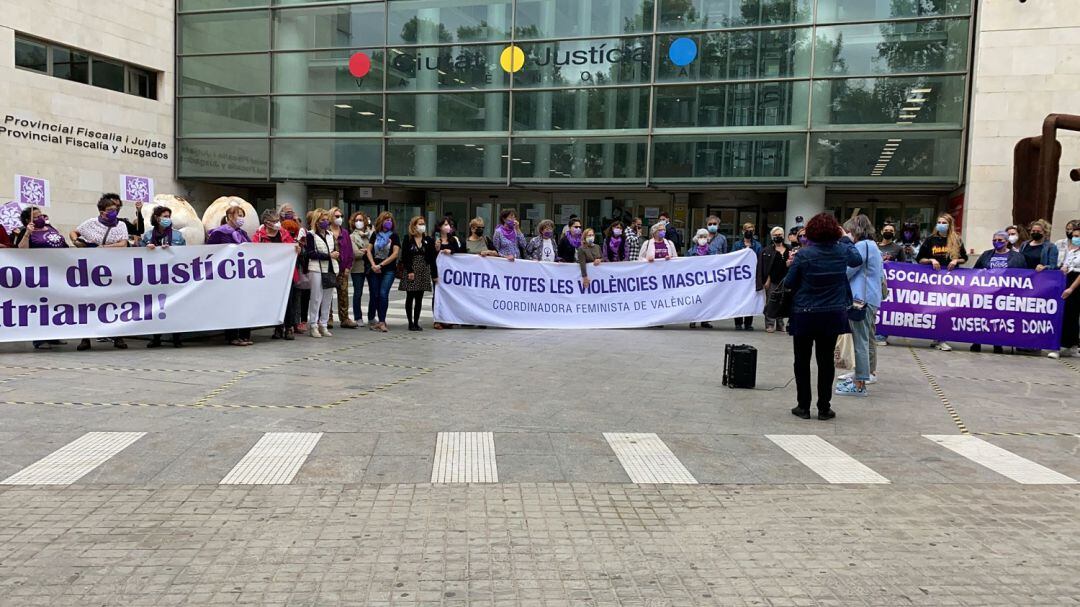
{"points": [[683, 51]]}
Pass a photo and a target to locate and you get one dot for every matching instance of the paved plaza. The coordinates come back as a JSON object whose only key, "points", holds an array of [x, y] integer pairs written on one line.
{"points": [[496, 467]]}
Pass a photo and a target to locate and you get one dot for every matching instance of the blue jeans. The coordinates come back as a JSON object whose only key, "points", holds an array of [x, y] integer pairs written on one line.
{"points": [[379, 292], [358, 290], [865, 349]]}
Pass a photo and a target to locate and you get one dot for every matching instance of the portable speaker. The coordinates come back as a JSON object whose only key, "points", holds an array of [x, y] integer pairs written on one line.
{"points": [[740, 366]]}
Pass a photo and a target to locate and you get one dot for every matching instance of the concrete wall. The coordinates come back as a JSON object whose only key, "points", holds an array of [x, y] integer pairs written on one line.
{"points": [[1027, 66], [139, 33]]}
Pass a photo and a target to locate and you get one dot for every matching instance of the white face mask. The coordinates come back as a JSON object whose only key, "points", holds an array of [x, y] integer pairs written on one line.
{"points": [[359, 225], [703, 241], [590, 239], [276, 225], [339, 220], [421, 228], [1013, 238]]}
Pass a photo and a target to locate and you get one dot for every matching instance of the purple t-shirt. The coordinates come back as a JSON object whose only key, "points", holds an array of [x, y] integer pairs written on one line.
{"points": [[227, 234], [48, 238], [660, 250]]}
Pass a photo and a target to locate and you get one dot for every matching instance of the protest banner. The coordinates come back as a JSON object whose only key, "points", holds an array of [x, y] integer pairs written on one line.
{"points": [[1019, 308], [100, 292], [535, 295]]}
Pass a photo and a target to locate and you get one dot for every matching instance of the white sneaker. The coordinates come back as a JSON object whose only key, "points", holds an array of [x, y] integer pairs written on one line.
{"points": [[314, 332], [325, 332], [1053, 354], [851, 377], [881, 342], [1073, 352], [944, 347]]}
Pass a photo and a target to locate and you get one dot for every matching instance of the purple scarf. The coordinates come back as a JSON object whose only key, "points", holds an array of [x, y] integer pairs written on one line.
{"points": [[615, 244], [703, 249], [508, 232], [575, 241]]}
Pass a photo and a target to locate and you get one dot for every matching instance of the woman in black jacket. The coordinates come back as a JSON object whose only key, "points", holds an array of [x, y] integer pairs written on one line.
{"points": [[418, 264], [819, 313], [446, 243], [772, 267]]}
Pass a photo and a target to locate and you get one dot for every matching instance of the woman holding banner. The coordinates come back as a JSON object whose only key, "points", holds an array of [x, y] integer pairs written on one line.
{"points": [[36, 233], [821, 298], [615, 242], [271, 231], [446, 243], [571, 241], [231, 232], [658, 246], [943, 249], [1070, 325], [161, 234], [999, 257], [700, 246], [105, 231], [508, 240], [382, 256], [543, 247], [476, 243], [588, 252]]}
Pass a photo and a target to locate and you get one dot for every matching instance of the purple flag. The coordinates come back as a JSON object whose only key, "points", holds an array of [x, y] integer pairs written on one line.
{"points": [[1019, 308], [31, 191], [137, 189]]}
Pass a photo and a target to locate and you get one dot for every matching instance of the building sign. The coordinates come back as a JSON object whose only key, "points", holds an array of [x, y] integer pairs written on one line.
{"points": [[15, 129], [136, 189], [32, 191]]}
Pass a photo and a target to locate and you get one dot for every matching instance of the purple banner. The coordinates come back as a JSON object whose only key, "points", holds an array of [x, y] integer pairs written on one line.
{"points": [[1019, 308]]}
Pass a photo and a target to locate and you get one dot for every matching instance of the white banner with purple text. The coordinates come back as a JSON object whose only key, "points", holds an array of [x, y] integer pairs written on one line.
{"points": [[522, 294], [102, 292]]}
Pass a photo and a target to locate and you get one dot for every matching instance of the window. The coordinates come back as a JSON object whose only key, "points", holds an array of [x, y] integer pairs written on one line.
{"points": [[31, 55], [437, 21], [938, 45], [79, 66], [108, 75], [720, 14], [71, 65]]}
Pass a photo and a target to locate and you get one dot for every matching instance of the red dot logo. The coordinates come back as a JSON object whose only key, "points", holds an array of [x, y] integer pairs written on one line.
{"points": [[359, 65]]}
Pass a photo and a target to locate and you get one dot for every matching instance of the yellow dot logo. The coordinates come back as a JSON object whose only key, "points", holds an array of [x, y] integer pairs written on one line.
{"points": [[512, 59]]}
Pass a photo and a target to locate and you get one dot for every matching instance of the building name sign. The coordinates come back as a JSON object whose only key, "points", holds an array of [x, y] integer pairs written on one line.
{"points": [[81, 137]]}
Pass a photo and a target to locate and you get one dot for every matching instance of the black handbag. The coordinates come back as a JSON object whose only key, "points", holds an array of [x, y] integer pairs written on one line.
{"points": [[329, 280]]}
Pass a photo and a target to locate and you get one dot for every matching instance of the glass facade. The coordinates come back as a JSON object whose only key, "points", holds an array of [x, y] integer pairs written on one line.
{"points": [[627, 92]]}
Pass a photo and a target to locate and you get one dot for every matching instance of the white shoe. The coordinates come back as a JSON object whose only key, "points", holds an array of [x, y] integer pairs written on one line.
{"points": [[1054, 354], [1073, 352], [851, 377], [944, 347], [325, 332], [314, 332]]}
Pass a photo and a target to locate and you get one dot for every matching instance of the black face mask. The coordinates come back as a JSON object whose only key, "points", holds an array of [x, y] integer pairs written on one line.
{"points": [[478, 231], [778, 239], [749, 234], [1037, 236], [888, 235]]}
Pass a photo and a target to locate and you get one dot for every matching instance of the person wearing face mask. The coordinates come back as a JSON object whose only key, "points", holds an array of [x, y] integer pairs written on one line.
{"points": [[161, 234], [888, 247], [669, 229], [1039, 253], [1070, 266], [478, 244], [344, 244], [658, 246], [324, 260], [508, 240], [718, 244], [772, 267], [105, 230], [543, 247], [418, 261], [383, 253], [446, 243], [1063, 243], [702, 244], [232, 232], [36, 233], [748, 241], [911, 240], [571, 241], [633, 239], [271, 231], [359, 239], [864, 281], [588, 252], [614, 248], [999, 257], [943, 249], [1017, 236]]}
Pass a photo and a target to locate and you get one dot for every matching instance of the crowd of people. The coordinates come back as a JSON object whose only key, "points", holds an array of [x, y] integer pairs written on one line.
{"points": [[820, 280], [835, 284]]}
